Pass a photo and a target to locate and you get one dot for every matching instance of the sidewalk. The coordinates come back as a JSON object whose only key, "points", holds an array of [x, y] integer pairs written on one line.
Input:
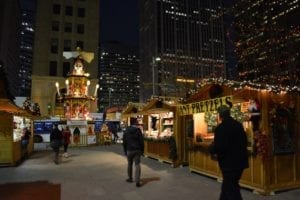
{"points": [[92, 173]]}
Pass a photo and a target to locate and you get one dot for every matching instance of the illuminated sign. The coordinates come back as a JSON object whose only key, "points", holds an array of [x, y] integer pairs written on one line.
{"points": [[204, 106]]}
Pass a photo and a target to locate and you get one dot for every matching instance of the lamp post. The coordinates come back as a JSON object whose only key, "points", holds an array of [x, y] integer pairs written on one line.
{"points": [[109, 94], [154, 61]]}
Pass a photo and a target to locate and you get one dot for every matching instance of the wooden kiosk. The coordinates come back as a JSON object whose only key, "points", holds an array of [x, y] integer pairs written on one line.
{"points": [[159, 129], [132, 110], [271, 122], [13, 119]]}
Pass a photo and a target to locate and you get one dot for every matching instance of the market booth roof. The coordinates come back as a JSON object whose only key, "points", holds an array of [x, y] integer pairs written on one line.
{"points": [[8, 106], [133, 109], [157, 106]]}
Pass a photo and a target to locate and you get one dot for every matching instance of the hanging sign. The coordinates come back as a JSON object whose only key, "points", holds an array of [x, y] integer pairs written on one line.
{"points": [[204, 106]]}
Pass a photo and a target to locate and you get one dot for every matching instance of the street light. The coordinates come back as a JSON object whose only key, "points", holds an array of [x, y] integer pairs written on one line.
{"points": [[154, 61]]}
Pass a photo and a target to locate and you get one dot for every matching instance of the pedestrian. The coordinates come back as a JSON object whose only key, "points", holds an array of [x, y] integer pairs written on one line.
{"points": [[25, 141], [76, 135], [66, 135], [230, 148], [133, 143], [55, 142], [113, 129]]}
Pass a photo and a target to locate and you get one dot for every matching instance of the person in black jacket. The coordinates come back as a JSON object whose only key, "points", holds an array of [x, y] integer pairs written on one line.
{"points": [[133, 144], [230, 147], [55, 141]]}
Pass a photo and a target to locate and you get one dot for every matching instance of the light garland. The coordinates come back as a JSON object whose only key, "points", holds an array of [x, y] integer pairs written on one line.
{"points": [[277, 89]]}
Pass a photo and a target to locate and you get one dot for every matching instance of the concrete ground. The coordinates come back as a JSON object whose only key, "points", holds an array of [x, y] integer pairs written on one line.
{"points": [[99, 172]]}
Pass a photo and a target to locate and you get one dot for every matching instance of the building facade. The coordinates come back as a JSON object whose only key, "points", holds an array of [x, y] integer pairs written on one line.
{"points": [[26, 54], [118, 75], [62, 25], [187, 37], [10, 20], [269, 41]]}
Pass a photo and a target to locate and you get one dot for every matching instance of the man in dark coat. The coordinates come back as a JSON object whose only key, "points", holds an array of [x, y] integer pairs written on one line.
{"points": [[230, 147], [55, 141], [133, 144]]}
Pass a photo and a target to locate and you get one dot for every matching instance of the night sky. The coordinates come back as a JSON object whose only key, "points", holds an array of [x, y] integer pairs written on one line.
{"points": [[119, 21]]}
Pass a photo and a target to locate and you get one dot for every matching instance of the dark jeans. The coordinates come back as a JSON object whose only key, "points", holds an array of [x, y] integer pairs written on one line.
{"points": [[66, 148], [230, 185], [134, 156]]}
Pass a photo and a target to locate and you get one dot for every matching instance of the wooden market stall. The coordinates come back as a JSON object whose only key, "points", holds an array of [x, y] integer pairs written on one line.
{"points": [[160, 131], [271, 122], [12, 120], [132, 109]]}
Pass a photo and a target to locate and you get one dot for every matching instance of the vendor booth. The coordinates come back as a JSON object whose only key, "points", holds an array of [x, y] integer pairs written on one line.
{"points": [[132, 110], [160, 131], [13, 120], [271, 122]]}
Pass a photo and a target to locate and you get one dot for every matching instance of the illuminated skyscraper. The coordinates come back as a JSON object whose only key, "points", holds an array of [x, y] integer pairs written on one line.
{"points": [[268, 41], [187, 36], [119, 75], [27, 38]]}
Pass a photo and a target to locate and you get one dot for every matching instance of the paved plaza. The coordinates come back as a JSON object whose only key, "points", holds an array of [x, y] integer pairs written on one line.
{"points": [[99, 172]]}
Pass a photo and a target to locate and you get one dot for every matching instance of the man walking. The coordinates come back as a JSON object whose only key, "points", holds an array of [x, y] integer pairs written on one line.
{"points": [[55, 141], [133, 143], [230, 147]]}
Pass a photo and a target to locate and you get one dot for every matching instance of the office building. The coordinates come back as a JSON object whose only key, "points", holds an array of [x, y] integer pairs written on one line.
{"points": [[188, 39], [10, 20], [268, 43], [118, 75], [62, 25], [27, 38]]}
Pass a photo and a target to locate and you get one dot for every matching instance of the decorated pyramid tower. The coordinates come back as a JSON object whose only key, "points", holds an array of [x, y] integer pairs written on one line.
{"points": [[77, 99]]}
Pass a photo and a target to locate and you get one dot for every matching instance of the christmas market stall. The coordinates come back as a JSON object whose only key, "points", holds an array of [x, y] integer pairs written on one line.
{"points": [[271, 122], [160, 135], [132, 109], [13, 122]]}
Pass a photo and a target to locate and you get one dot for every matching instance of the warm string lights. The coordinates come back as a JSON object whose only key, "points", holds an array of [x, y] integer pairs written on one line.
{"points": [[277, 89]]}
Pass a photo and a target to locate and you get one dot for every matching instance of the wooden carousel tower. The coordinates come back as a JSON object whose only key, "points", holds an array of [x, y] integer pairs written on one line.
{"points": [[76, 99]]}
